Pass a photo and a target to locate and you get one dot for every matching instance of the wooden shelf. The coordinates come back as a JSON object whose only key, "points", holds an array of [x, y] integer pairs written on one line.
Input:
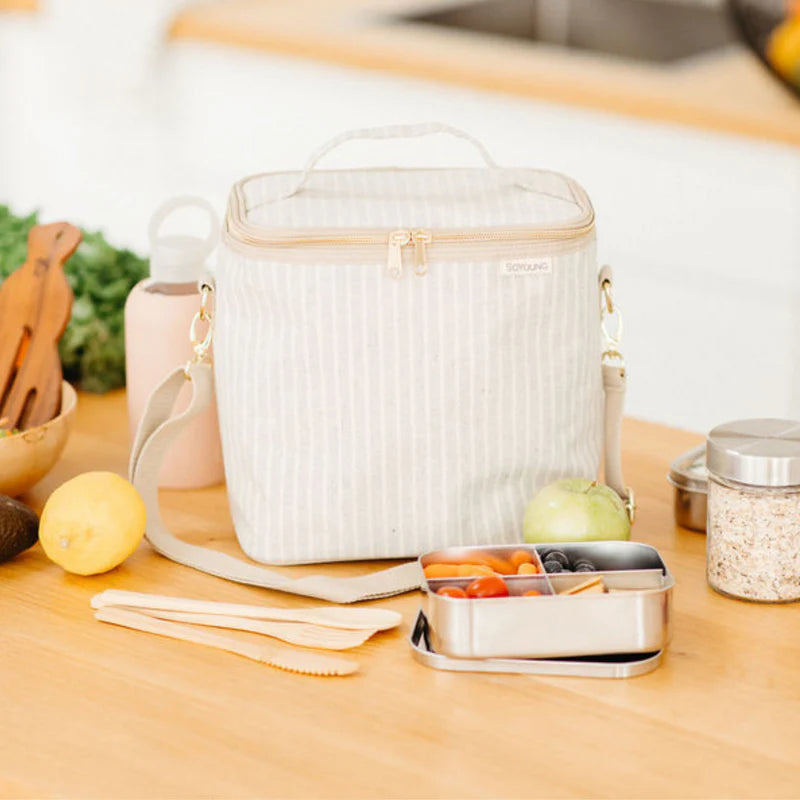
{"points": [[728, 91], [19, 5]]}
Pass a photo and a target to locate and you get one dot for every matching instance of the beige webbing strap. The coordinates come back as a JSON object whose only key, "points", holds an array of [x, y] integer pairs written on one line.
{"points": [[156, 433], [614, 380], [614, 390]]}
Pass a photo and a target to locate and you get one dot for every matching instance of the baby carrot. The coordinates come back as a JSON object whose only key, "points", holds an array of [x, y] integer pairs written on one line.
{"points": [[441, 571], [468, 570], [521, 557]]}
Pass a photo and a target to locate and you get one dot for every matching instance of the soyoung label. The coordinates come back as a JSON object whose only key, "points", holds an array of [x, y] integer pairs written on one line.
{"points": [[520, 267]]}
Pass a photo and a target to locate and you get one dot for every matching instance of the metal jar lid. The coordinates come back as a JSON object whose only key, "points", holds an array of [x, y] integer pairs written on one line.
{"points": [[757, 452]]}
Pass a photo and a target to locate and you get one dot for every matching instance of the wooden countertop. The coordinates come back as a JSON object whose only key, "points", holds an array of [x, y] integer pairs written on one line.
{"points": [[91, 710], [727, 91]]}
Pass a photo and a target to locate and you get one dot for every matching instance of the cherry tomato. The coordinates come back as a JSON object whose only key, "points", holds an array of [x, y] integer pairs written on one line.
{"points": [[451, 591], [532, 593], [490, 586]]}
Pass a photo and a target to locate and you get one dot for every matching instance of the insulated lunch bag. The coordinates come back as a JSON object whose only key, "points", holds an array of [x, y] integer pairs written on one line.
{"points": [[402, 357]]}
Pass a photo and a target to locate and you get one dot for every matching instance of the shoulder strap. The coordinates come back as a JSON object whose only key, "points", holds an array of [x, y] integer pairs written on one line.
{"points": [[158, 429], [614, 391], [614, 381]]}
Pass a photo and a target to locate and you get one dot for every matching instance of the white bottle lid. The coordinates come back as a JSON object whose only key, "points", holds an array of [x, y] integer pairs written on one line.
{"points": [[181, 258]]}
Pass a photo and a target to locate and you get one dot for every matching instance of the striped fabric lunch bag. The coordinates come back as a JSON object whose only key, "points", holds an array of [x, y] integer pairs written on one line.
{"points": [[402, 358]]}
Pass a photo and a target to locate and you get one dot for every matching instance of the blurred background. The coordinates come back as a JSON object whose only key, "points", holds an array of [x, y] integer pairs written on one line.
{"points": [[680, 117]]}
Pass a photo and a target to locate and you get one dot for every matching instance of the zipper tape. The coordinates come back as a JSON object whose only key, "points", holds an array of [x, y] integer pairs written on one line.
{"points": [[362, 243], [422, 247]]}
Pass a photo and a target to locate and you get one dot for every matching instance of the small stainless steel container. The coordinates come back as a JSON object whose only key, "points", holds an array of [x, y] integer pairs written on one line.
{"points": [[689, 476], [633, 617]]}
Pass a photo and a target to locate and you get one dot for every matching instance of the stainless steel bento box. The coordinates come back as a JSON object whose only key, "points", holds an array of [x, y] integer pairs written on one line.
{"points": [[632, 617]]}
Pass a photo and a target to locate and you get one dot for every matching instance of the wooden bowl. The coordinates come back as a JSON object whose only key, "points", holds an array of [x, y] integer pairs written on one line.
{"points": [[27, 457]]}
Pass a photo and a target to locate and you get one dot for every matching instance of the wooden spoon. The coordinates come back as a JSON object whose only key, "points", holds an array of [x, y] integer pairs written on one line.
{"points": [[35, 307]]}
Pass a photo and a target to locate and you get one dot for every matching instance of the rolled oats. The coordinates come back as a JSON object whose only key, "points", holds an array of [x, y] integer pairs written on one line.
{"points": [[753, 547]]}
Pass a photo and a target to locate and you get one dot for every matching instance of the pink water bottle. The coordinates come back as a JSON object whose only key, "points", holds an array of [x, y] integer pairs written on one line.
{"points": [[158, 315]]}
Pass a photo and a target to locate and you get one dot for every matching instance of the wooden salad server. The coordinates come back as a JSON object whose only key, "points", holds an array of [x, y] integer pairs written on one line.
{"points": [[35, 307]]}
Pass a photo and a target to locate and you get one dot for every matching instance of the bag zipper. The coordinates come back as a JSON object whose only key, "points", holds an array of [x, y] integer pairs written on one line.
{"points": [[421, 240], [397, 241], [418, 238]]}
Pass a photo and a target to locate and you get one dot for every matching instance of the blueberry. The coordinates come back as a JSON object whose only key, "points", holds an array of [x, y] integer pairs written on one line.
{"points": [[584, 567], [559, 556], [553, 566]]}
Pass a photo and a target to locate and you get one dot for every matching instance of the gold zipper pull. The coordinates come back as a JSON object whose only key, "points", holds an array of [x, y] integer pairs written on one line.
{"points": [[397, 240], [420, 239]]}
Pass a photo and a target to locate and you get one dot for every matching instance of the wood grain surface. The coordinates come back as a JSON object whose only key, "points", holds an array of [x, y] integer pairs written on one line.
{"points": [[90, 710]]}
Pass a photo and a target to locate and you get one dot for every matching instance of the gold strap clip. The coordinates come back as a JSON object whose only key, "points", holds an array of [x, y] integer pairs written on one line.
{"points": [[610, 313], [204, 316]]}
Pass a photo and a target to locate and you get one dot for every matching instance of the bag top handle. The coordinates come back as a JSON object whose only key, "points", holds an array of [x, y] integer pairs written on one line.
{"points": [[408, 132], [387, 132]]}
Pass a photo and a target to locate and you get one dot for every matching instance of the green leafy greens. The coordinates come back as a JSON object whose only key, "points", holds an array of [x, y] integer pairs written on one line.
{"points": [[93, 347]]}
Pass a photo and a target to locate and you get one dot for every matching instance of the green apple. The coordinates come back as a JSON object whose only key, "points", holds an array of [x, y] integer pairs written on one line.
{"points": [[576, 510]]}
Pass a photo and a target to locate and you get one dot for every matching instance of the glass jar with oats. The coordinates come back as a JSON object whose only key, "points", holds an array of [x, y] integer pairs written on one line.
{"points": [[753, 530]]}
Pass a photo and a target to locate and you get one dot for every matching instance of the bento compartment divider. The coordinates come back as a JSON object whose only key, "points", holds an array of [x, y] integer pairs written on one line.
{"points": [[623, 580], [549, 583], [517, 584]]}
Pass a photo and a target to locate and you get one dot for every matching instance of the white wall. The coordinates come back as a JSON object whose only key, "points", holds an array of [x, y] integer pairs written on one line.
{"points": [[703, 230]]}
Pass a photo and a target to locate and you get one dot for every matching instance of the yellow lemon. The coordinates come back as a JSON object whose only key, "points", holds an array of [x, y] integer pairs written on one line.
{"points": [[92, 523]]}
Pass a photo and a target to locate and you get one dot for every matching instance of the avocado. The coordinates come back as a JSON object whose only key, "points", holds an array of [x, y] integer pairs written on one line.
{"points": [[19, 527]]}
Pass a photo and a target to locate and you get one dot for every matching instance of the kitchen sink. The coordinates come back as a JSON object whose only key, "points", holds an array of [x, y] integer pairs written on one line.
{"points": [[647, 30]]}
